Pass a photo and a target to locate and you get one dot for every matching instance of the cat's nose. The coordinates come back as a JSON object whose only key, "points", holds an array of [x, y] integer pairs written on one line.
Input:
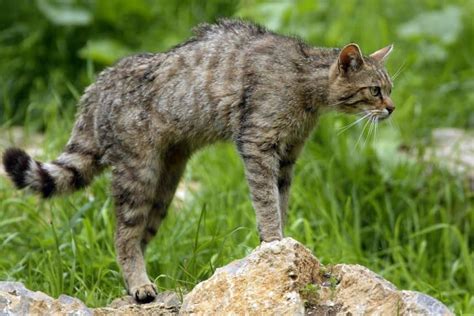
{"points": [[389, 105]]}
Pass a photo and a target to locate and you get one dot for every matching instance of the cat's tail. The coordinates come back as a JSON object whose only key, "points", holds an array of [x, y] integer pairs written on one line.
{"points": [[72, 170]]}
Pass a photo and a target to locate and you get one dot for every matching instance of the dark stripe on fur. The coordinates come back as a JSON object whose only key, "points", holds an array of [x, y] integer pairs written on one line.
{"points": [[16, 162], [132, 221], [284, 183], [129, 200], [245, 111], [47, 182], [286, 163], [78, 181], [350, 96], [78, 149], [161, 208], [152, 231], [353, 103]]}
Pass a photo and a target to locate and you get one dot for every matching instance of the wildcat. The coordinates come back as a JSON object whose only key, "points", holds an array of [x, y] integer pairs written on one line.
{"points": [[233, 80]]}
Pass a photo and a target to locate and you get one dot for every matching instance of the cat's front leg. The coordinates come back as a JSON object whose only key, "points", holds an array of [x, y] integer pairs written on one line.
{"points": [[284, 184], [285, 176], [261, 169]]}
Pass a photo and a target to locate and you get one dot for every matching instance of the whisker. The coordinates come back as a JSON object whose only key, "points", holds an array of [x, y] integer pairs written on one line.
{"points": [[390, 122], [362, 133], [393, 124], [371, 120], [399, 71], [345, 128], [376, 126]]}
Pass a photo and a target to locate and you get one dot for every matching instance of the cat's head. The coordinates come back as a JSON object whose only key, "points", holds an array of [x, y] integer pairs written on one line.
{"points": [[360, 84]]}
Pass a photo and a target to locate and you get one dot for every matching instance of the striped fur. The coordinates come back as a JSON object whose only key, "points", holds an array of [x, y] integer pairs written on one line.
{"points": [[68, 173], [233, 81]]}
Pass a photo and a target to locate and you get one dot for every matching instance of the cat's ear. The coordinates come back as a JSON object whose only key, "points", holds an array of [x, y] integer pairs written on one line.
{"points": [[350, 58], [382, 53]]}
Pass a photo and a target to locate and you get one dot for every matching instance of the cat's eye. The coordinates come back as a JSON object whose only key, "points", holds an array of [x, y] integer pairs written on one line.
{"points": [[375, 91]]}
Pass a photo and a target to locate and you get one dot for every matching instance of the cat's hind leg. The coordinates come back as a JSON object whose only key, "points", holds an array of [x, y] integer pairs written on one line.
{"points": [[173, 165], [134, 186]]}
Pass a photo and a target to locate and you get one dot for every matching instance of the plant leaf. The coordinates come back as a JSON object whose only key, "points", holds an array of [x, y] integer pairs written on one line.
{"points": [[64, 14]]}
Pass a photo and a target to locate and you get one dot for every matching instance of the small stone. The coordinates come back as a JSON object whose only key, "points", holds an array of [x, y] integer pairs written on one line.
{"points": [[275, 249], [453, 149], [16, 299], [417, 303]]}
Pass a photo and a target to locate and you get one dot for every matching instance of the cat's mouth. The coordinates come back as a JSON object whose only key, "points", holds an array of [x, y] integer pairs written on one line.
{"points": [[376, 115], [380, 115]]}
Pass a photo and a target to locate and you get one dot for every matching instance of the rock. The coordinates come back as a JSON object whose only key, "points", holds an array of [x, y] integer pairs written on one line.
{"points": [[265, 282], [417, 303], [356, 289], [453, 148], [16, 299], [166, 303], [284, 278], [277, 278]]}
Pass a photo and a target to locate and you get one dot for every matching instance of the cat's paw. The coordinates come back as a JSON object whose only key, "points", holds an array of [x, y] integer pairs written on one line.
{"points": [[145, 293], [269, 239]]}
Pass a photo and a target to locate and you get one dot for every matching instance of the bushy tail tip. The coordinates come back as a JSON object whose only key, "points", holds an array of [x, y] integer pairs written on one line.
{"points": [[17, 162], [71, 171], [26, 172]]}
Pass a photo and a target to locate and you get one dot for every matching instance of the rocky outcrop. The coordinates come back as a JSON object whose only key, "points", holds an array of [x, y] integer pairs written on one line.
{"points": [[16, 299], [166, 303], [268, 281], [278, 278], [284, 278]]}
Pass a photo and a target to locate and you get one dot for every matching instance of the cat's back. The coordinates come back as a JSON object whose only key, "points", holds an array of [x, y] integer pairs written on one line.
{"points": [[229, 38], [213, 64], [205, 79], [195, 89], [229, 29], [221, 60]]}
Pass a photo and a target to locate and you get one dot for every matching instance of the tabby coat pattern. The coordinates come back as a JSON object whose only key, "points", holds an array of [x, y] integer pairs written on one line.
{"points": [[234, 81]]}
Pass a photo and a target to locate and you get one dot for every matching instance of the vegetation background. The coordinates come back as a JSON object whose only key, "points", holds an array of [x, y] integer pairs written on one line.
{"points": [[366, 203]]}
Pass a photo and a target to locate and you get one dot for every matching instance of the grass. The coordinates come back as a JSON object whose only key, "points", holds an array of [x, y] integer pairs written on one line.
{"points": [[411, 225], [369, 204]]}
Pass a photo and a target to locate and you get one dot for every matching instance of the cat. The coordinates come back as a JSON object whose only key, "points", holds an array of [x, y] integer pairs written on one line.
{"points": [[233, 80]]}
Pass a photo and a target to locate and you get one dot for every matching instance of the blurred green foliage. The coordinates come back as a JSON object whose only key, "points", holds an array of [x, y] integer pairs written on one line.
{"points": [[410, 222], [50, 49]]}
